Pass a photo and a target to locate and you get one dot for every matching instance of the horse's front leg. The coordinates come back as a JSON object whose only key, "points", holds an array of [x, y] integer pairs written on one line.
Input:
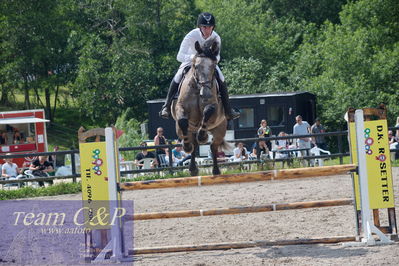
{"points": [[193, 164], [202, 135], [182, 131]]}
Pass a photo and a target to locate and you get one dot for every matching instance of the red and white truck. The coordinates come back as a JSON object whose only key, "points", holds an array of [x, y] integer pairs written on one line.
{"points": [[23, 132]]}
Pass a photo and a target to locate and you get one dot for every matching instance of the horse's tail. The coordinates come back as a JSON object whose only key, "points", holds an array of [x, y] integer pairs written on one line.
{"points": [[227, 146]]}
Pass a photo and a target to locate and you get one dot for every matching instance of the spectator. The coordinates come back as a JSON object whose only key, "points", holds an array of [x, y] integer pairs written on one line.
{"points": [[263, 149], [220, 155], [283, 143], [144, 154], [264, 131], [40, 168], [160, 139], [3, 137], [53, 158], [397, 130], [9, 170], [179, 156], [316, 128], [391, 137], [302, 128], [240, 153], [17, 136], [393, 144]]}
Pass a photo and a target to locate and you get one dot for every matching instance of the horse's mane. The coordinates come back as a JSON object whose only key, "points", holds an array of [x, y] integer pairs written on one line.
{"points": [[207, 49]]}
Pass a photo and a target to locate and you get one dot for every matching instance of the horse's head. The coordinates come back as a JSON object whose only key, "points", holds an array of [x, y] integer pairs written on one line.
{"points": [[204, 64]]}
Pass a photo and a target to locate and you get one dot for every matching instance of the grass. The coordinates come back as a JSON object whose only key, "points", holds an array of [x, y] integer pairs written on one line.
{"points": [[30, 192]]}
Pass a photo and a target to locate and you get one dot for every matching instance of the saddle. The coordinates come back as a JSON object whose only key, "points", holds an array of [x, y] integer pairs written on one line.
{"points": [[185, 71]]}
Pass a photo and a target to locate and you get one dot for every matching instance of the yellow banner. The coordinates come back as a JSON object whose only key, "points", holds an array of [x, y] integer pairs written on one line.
{"points": [[378, 164], [93, 161]]}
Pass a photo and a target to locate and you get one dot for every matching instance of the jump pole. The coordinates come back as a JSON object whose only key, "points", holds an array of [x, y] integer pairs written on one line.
{"points": [[239, 210], [240, 178], [240, 245]]}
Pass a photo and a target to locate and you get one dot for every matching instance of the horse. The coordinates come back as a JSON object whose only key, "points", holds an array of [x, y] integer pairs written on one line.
{"points": [[198, 108]]}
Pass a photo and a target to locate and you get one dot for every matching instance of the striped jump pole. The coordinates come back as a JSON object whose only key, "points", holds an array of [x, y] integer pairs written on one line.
{"points": [[240, 245], [240, 178], [239, 210]]}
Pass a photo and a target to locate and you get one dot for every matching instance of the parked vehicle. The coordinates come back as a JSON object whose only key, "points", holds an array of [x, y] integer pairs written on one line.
{"points": [[23, 132]]}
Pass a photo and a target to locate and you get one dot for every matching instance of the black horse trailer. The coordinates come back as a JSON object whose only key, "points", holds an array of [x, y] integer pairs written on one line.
{"points": [[279, 109]]}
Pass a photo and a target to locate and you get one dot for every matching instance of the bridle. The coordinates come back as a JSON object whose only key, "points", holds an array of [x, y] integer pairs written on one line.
{"points": [[206, 84]]}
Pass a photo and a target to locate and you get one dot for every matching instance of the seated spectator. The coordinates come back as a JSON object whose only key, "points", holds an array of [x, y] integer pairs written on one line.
{"points": [[17, 136], [9, 170], [264, 131], [40, 168], [263, 149], [179, 156], [53, 158], [220, 155], [283, 143], [391, 138], [3, 137], [393, 144], [144, 154], [240, 153]]}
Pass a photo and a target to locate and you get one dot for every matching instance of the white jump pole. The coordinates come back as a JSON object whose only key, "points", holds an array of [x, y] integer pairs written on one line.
{"points": [[367, 220]]}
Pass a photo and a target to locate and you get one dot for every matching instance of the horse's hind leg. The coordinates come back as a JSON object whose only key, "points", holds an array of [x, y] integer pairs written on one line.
{"points": [[218, 134], [202, 135]]}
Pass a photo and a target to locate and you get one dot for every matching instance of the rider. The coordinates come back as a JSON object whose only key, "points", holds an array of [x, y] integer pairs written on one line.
{"points": [[205, 24]]}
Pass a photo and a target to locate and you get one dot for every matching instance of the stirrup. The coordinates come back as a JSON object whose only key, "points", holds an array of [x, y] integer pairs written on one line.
{"points": [[235, 115], [232, 115], [164, 113]]}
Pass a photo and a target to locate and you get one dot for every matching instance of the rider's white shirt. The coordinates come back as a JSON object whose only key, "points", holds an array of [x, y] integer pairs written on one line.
{"points": [[187, 47]]}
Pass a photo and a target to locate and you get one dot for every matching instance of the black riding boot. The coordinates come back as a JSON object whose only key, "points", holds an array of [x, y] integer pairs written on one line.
{"points": [[230, 113], [165, 111]]}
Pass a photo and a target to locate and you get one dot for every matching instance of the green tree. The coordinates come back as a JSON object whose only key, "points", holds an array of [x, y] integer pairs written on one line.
{"points": [[132, 135], [354, 64], [34, 49], [244, 75], [159, 27], [315, 11]]}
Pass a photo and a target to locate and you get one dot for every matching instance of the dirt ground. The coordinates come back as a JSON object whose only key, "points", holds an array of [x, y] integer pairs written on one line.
{"points": [[287, 225]]}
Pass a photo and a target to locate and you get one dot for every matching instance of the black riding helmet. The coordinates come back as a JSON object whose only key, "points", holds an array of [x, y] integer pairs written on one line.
{"points": [[205, 19]]}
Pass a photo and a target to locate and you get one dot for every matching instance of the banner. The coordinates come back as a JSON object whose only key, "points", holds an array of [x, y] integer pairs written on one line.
{"points": [[94, 175], [378, 161]]}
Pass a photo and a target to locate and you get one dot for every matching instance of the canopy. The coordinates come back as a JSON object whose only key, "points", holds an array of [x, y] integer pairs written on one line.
{"points": [[22, 120]]}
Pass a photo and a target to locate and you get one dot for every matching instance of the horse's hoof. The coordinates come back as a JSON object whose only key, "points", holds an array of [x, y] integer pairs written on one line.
{"points": [[188, 148], [216, 171], [202, 137]]}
